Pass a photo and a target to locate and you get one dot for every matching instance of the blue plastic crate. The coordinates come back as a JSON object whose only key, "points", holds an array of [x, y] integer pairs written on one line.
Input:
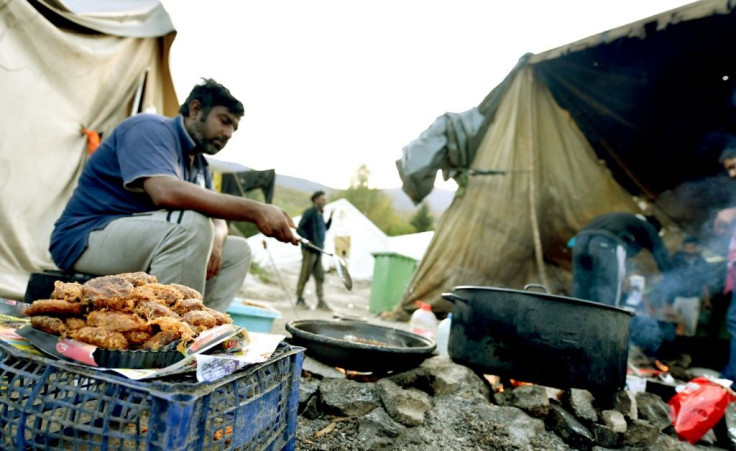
{"points": [[50, 404]]}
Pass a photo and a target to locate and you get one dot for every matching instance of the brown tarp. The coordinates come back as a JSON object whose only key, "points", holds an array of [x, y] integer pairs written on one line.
{"points": [[486, 236]]}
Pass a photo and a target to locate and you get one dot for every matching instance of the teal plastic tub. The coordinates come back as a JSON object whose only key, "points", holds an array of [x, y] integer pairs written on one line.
{"points": [[254, 319]]}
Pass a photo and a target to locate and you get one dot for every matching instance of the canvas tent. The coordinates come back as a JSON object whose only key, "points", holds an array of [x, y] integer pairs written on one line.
{"points": [[65, 65], [642, 110]]}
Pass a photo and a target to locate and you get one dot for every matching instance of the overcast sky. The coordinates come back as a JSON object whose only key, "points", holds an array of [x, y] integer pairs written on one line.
{"points": [[330, 85]]}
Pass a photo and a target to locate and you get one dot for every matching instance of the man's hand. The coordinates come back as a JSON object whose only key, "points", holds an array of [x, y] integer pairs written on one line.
{"points": [[275, 222], [218, 238], [724, 219], [215, 262]]}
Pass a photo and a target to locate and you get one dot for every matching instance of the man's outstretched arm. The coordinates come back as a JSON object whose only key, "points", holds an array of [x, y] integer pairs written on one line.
{"points": [[174, 194]]}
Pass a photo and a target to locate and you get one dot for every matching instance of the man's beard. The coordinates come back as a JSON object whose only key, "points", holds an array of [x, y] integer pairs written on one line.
{"points": [[203, 144]]}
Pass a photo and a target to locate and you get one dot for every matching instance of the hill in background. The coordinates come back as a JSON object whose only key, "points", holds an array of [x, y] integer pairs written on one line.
{"points": [[286, 185]]}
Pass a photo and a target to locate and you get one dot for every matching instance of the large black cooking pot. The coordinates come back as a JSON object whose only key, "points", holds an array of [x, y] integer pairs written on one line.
{"points": [[534, 337], [360, 346]]}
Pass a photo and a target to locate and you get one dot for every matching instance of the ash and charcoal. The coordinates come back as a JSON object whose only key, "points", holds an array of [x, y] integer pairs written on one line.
{"points": [[443, 405]]}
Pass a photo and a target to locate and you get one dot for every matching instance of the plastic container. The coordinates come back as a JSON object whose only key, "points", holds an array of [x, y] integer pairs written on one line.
{"points": [[253, 317], [50, 404], [423, 322], [392, 273], [443, 335]]}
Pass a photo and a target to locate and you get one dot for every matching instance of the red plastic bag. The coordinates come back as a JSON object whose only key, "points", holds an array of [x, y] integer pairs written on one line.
{"points": [[698, 407]]}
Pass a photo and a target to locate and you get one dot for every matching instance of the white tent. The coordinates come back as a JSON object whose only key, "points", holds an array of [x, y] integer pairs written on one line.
{"points": [[412, 245], [66, 65], [352, 235]]}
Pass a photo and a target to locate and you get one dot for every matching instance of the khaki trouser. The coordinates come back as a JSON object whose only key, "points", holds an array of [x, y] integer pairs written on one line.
{"points": [[311, 265], [175, 247]]}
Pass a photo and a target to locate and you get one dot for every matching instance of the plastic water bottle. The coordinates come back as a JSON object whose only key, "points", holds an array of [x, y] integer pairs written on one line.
{"points": [[423, 322], [443, 335]]}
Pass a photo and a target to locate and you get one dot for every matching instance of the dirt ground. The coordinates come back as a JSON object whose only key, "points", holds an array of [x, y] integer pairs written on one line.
{"points": [[277, 288]]}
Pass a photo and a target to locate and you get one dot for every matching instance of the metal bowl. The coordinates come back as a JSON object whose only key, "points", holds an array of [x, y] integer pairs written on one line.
{"points": [[360, 346]]}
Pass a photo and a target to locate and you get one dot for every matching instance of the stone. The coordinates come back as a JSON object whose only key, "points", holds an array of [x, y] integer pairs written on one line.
{"points": [[606, 437], [614, 420], [667, 443], [307, 388], [580, 403], [406, 406], [625, 402], [521, 427], [348, 398], [311, 409], [641, 433], [532, 399], [377, 430], [500, 398], [653, 409], [567, 427], [440, 376]]}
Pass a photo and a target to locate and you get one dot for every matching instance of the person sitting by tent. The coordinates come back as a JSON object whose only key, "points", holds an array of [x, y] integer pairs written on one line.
{"points": [[690, 284], [601, 249], [725, 223], [144, 202], [313, 227]]}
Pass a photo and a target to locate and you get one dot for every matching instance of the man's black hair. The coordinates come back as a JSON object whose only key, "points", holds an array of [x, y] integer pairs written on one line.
{"points": [[316, 195], [211, 94]]}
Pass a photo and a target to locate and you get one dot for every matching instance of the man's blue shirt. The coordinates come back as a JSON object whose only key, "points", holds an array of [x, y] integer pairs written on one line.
{"points": [[111, 184]]}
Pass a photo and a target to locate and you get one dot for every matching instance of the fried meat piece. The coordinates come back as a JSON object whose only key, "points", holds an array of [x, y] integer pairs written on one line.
{"points": [[187, 305], [152, 310], [54, 307], [101, 337], [157, 292], [108, 292], [175, 326], [67, 291], [116, 321], [73, 323], [138, 278], [221, 318], [137, 337], [199, 319], [48, 324], [160, 340], [187, 292]]}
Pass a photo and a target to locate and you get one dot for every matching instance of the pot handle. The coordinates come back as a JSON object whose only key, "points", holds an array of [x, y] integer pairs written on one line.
{"points": [[452, 297], [536, 285]]}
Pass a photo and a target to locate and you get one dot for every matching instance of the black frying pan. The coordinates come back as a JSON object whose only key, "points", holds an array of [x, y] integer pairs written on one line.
{"points": [[360, 346]]}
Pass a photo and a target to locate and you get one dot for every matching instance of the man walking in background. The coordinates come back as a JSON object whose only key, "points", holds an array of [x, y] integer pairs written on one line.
{"points": [[313, 227]]}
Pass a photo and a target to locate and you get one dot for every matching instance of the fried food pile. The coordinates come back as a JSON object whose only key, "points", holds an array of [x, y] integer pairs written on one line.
{"points": [[129, 311]]}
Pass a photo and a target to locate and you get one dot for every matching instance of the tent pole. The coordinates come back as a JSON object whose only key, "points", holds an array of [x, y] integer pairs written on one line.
{"points": [[532, 189]]}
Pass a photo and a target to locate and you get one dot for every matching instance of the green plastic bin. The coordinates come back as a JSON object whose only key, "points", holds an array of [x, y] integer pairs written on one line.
{"points": [[392, 273]]}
